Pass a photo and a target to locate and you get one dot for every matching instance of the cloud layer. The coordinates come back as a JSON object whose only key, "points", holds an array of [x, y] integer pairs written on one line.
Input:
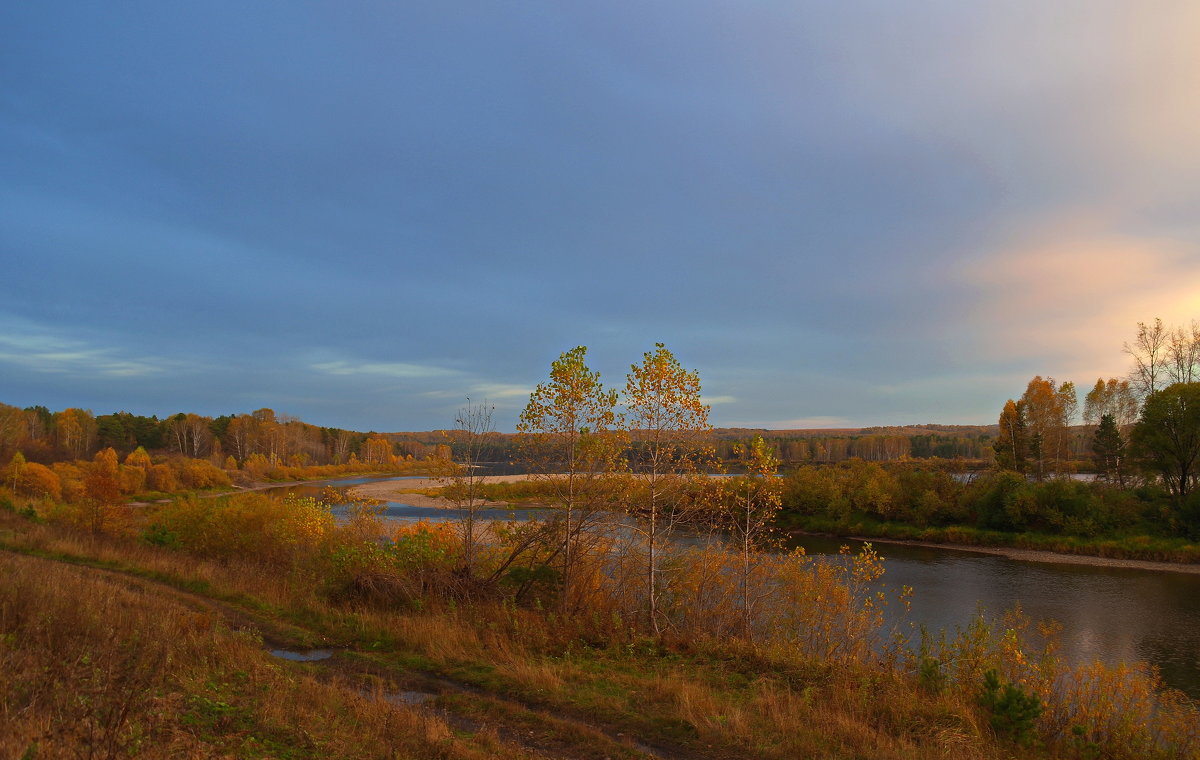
{"points": [[362, 214]]}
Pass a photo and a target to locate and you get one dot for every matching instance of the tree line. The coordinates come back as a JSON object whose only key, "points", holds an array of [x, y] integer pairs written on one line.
{"points": [[1142, 430], [260, 438]]}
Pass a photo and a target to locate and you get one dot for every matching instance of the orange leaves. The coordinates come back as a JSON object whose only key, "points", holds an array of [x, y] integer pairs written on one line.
{"points": [[103, 481], [568, 420], [31, 479]]}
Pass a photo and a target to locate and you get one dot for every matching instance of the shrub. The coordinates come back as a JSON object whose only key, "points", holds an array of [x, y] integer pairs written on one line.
{"points": [[39, 481], [1013, 713], [253, 524]]}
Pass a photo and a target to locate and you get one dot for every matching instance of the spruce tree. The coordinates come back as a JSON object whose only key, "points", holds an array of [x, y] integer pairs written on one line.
{"points": [[1109, 448]]}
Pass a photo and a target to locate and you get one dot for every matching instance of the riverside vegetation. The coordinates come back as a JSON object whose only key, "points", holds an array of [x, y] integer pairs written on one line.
{"points": [[148, 633], [1143, 435]]}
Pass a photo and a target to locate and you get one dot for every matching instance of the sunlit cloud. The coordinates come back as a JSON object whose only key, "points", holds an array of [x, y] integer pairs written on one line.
{"points": [[717, 400], [384, 369], [1070, 295], [497, 391]]}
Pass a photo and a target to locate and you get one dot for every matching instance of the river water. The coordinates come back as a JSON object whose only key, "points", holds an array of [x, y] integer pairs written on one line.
{"points": [[1107, 613]]}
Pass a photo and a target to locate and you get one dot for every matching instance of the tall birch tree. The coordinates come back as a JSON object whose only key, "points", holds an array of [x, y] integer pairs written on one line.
{"points": [[568, 439], [667, 421], [753, 501], [1150, 354], [472, 426]]}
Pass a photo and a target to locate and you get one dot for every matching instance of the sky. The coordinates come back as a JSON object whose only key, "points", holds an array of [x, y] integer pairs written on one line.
{"points": [[363, 213]]}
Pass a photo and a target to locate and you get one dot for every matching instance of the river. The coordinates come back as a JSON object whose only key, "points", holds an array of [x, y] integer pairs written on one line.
{"points": [[1107, 613]]}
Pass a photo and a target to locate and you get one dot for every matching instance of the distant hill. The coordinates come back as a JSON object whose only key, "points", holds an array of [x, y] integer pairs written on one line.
{"points": [[736, 434]]}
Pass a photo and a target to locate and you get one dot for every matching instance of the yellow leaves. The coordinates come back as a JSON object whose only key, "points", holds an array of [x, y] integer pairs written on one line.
{"points": [[663, 399], [378, 450], [138, 458], [305, 521], [246, 524]]}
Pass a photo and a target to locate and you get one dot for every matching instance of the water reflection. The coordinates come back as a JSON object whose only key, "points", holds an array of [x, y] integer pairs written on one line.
{"points": [[394, 510], [1107, 613]]}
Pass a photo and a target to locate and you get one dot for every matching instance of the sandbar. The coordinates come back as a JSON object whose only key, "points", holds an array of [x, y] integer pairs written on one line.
{"points": [[404, 491]]}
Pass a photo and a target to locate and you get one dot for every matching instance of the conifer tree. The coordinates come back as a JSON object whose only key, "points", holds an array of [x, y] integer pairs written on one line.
{"points": [[1012, 444], [1109, 448]]}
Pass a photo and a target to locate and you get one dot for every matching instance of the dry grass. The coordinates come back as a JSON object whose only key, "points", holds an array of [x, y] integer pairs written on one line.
{"points": [[96, 669]]}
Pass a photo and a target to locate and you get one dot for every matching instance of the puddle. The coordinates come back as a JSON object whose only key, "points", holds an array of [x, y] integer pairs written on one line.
{"points": [[408, 697], [309, 655]]}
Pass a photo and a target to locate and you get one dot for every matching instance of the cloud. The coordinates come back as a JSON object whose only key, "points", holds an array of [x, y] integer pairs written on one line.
{"points": [[384, 369], [1070, 293], [495, 391], [40, 349], [716, 400], [1100, 100]]}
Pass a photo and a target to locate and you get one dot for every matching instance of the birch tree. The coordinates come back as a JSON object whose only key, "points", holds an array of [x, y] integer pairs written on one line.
{"points": [[473, 425], [1149, 352], [753, 502], [666, 420], [1048, 411], [1012, 444], [1183, 354], [1111, 397], [568, 439]]}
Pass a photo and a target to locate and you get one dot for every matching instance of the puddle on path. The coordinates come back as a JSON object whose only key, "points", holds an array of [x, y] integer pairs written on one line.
{"points": [[405, 698], [308, 655], [408, 697]]}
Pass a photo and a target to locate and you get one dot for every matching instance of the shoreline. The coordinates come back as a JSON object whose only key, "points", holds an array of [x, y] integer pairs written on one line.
{"points": [[1042, 556]]}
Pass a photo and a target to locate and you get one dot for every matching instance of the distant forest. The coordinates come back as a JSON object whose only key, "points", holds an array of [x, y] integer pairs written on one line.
{"points": [[228, 440], [74, 434]]}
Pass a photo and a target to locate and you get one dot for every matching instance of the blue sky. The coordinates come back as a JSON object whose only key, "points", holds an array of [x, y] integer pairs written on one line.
{"points": [[361, 213]]}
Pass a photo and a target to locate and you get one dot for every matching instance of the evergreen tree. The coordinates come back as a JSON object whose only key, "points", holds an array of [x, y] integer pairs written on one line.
{"points": [[1012, 444], [1109, 448]]}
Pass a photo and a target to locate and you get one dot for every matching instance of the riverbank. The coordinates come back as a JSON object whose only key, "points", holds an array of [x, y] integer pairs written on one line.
{"points": [[252, 486], [1029, 555], [1144, 552]]}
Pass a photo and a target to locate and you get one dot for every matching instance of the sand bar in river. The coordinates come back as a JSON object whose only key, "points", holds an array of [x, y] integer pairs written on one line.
{"points": [[403, 491]]}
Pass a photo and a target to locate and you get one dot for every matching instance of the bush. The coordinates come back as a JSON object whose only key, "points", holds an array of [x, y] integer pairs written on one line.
{"points": [[253, 524], [36, 480]]}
